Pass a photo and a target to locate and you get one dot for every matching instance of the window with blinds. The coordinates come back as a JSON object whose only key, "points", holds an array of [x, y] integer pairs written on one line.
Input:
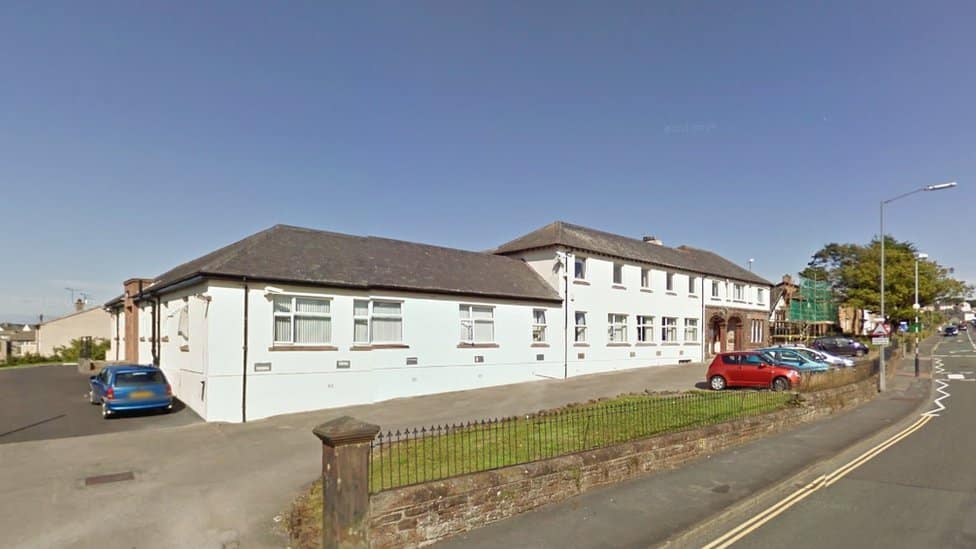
{"points": [[377, 321], [477, 324], [302, 320]]}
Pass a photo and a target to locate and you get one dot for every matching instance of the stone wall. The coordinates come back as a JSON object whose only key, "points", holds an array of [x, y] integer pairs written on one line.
{"points": [[415, 516]]}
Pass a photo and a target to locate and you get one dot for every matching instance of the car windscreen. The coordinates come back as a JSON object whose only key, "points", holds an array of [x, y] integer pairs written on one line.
{"points": [[128, 379]]}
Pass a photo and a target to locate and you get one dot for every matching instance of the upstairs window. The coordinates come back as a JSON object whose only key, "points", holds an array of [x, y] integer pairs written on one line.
{"points": [[760, 296], [691, 330], [714, 288], [477, 324], [692, 285], [669, 283], [618, 273], [538, 325], [579, 268], [645, 278], [740, 292], [377, 321], [302, 320]]}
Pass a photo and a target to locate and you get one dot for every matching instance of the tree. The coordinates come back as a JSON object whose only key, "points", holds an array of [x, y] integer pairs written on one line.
{"points": [[854, 271]]}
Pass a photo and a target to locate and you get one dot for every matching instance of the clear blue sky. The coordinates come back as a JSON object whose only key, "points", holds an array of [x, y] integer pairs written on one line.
{"points": [[136, 137]]}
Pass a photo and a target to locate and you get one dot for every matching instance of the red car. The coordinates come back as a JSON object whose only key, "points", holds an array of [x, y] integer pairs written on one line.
{"points": [[749, 369]]}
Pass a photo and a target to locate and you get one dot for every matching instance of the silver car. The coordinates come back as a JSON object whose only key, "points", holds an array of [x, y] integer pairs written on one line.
{"points": [[821, 356]]}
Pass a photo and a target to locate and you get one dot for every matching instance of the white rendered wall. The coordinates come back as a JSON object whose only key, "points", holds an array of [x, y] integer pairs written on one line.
{"points": [[305, 380]]}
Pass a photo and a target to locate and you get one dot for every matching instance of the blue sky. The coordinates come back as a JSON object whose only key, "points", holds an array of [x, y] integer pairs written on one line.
{"points": [[135, 137]]}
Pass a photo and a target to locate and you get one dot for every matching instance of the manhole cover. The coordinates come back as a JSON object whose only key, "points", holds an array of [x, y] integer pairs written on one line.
{"points": [[105, 479]]}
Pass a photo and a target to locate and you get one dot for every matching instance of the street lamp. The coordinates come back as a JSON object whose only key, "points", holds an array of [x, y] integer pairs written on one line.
{"points": [[916, 306], [750, 264], [882, 385]]}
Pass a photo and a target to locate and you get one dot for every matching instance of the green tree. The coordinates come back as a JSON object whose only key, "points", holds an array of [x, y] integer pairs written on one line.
{"points": [[72, 351], [854, 271]]}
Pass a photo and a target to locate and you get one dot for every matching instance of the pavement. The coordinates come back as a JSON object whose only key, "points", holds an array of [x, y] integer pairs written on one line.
{"points": [[45, 402], [219, 485], [665, 509]]}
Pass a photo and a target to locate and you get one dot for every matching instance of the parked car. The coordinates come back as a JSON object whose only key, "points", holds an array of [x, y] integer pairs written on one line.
{"points": [[119, 388], [793, 358], [749, 369], [950, 331], [962, 327], [840, 346], [821, 356]]}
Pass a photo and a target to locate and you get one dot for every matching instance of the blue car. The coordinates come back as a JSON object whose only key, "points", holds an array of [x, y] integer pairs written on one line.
{"points": [[122, 388], [789, 357]]}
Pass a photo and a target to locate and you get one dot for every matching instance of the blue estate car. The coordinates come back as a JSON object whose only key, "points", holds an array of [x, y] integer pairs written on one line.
{"points": [[120, 388], [789, 357]]}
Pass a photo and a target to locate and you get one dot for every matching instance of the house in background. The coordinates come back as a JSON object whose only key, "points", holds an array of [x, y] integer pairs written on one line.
{"points": [[92, 322], [804, 310], [17, 340], [293, 319]]}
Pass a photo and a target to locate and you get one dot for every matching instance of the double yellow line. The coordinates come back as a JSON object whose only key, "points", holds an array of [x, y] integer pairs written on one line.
{"points": [[822, 481]]}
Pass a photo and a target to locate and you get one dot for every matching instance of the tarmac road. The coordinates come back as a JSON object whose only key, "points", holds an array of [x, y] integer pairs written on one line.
{"points": [[919, 492], [46, 402]]}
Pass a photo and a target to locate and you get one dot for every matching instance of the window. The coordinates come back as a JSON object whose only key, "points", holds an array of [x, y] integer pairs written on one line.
{"points": [[617, 328], [669, 329], [579, 269], [377, 321], [477, 324], [645, 278], [538, 325], [645, 329], [752, 359], [302, 320], [740, 292], [580, 336], [618, 273], [757, 329], [670, 282], [760, 296], [714, 288], [691, 330], [183, 323], [692, 285]]}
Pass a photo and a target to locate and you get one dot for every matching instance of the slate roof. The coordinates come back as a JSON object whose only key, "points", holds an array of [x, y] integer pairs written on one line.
{"points": [[285, 253], [684, 258]]}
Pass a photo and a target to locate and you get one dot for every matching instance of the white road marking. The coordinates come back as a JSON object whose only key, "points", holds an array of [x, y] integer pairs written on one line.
{"points": [[956, 376], [937, 369]]}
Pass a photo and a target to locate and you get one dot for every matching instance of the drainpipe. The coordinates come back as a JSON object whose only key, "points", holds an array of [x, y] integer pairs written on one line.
{"points": [[118, 340], [702, 329], [158, 329], [244, 365], [565, 317]]}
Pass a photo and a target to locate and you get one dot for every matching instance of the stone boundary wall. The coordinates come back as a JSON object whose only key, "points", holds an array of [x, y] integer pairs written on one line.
{"points": [[420, 515]]}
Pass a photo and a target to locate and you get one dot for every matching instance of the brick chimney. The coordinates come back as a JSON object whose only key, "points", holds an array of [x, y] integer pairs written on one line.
{"points": [[79, 305], [650, 239], [133, 287]]}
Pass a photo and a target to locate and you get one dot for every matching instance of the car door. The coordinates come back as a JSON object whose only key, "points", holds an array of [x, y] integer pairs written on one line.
{"points": [[730, 368], [98, 384], [753, 371]]}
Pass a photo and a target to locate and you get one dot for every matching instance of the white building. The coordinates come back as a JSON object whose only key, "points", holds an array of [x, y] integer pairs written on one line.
{"points": [[293, 319]]}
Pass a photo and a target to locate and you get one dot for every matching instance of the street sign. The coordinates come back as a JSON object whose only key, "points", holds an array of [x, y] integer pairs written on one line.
{"points": [[882, 341], [881, 330]]}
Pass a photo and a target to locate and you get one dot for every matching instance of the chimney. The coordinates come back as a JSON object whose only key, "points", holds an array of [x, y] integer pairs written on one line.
{"points": [[79, 305], [653, 240]]}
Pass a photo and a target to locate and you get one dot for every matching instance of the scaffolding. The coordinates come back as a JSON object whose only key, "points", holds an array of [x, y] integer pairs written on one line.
{"points": [[811, 312]]}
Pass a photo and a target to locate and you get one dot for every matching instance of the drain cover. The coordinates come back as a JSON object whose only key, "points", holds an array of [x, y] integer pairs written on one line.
{"points": [[105, 479]]}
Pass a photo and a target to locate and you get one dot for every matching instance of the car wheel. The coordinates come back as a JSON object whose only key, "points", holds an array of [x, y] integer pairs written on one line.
{"points": [[106, 413], [781, 384], [859, 352], [717, 383]]}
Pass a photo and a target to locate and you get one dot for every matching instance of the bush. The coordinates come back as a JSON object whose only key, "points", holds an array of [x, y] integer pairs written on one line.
{"points": [[72, 352]]}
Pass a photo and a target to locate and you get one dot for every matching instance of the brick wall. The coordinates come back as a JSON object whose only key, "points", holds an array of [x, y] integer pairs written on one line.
{"points": [[419, 515]]}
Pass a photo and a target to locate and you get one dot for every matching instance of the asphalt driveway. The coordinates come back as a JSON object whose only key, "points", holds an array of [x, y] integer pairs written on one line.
{"points": [[45, 402]]}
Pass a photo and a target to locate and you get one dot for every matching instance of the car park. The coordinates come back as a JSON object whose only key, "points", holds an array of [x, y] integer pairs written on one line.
{"points": [[840, 346], [749, 369], [794, 359], [950, 331], [125, 388]]}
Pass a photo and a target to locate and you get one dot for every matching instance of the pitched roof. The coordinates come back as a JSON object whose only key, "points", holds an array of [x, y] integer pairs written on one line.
{"points": [[308, 256], [685, 258]]}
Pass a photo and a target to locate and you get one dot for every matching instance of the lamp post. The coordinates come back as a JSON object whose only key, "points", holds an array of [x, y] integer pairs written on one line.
{"points": [[882, 384], [750, 264], [916, 306]]}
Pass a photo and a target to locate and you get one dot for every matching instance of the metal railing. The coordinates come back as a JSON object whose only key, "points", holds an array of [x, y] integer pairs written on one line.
{"points": [[412, 456]]}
